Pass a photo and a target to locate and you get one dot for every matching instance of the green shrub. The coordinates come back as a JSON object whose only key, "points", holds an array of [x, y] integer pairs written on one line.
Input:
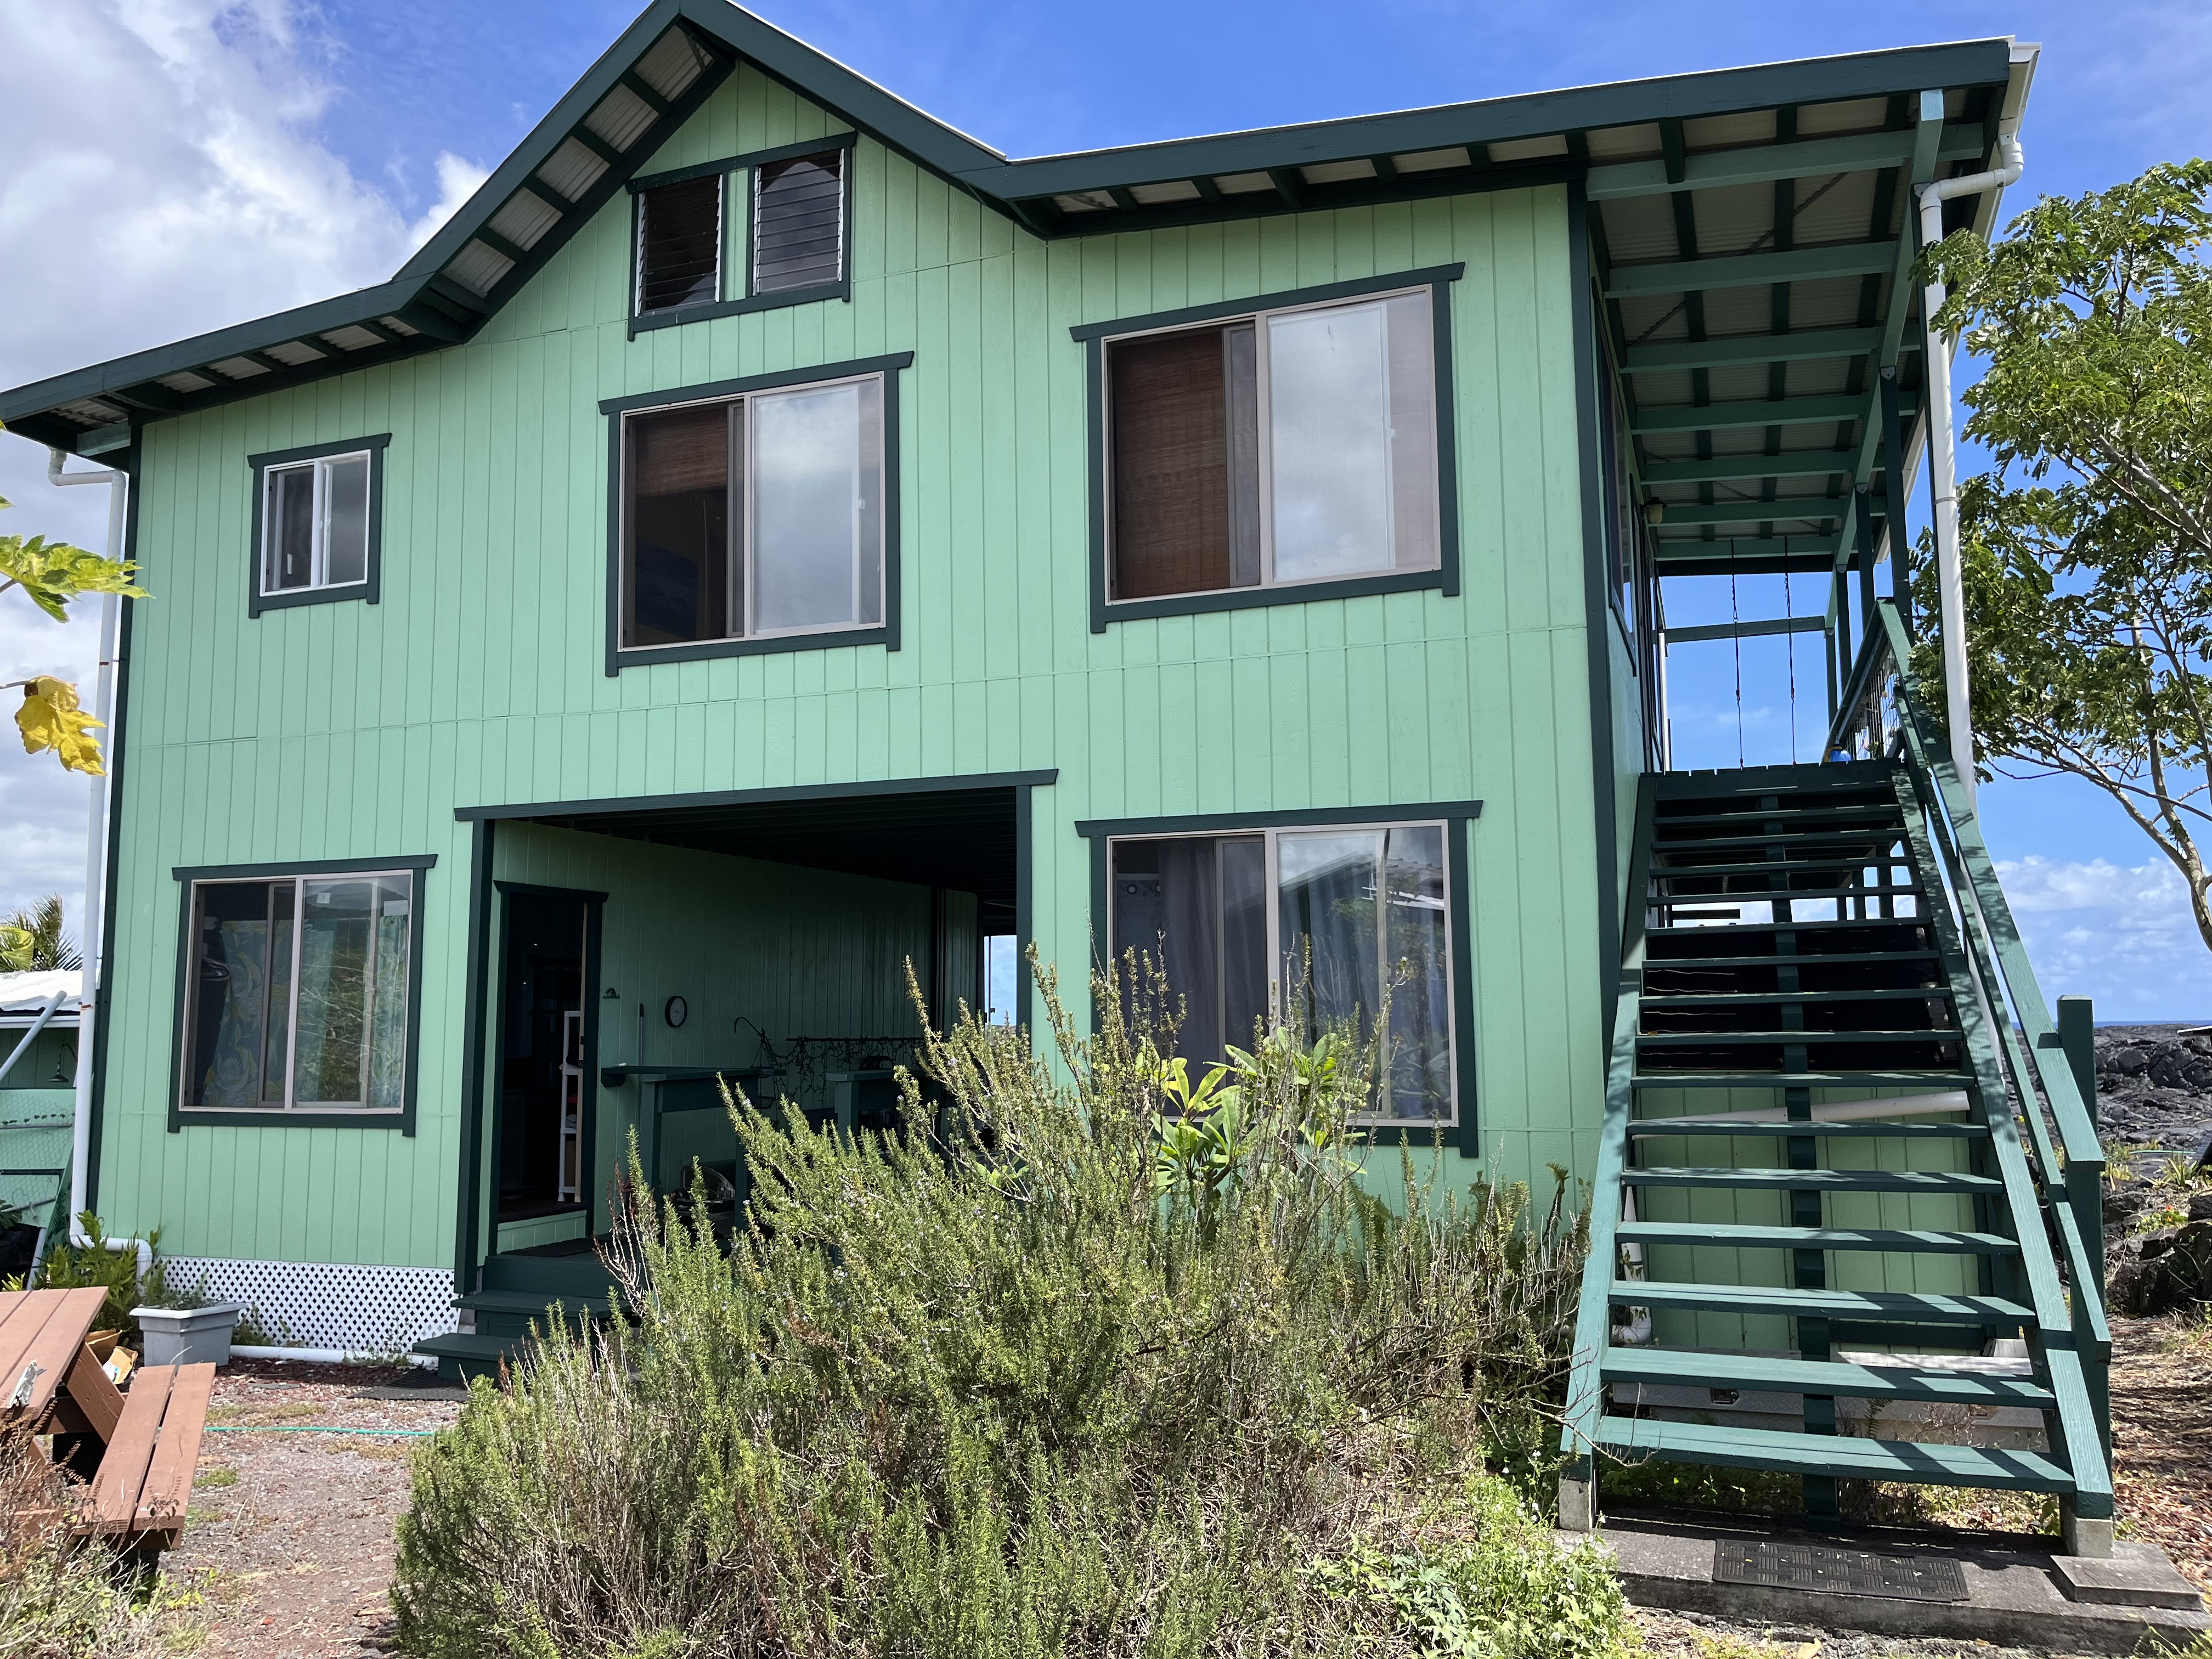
{"points": [[99, 1262], [1045, 1374]]}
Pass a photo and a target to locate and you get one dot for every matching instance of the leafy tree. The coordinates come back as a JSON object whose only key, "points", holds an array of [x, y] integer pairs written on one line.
{"points": [[32, 940], [2087, 552], [50, 575]]}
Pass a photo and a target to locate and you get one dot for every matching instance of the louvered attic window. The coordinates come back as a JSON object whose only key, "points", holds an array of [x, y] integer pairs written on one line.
{"points": [[798, 222], [679, 244], [741, 234]]}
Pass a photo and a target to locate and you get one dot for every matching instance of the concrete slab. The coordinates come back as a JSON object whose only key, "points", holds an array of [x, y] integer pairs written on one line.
{"points": [[2136, 1575], [2014, 1593]]}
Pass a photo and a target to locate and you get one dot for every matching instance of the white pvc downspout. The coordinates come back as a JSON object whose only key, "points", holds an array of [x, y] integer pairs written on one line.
{"points": [[1943, 454], [95, 855]]}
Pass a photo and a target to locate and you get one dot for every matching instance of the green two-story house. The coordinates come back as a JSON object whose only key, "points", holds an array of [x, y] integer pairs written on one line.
{"points": [[768, 539]]}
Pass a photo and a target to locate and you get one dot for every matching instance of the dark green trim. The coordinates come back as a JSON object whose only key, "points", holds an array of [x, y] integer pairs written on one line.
{"points": [[1025, 899], [187, 876], [710, 390], [887, 634], [1457, 817], [532, 889], [570, 809], [191, 872], [469, 1215], [132, 463], [1428, 276], [738, 297], [754, 158], [707, 310], [594, 908], [1298, 817], [1444, 577], [370, 588], [1597, 600]]}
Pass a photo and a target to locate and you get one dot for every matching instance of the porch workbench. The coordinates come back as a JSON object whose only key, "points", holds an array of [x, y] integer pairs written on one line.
{"points": [[138, 1449]]}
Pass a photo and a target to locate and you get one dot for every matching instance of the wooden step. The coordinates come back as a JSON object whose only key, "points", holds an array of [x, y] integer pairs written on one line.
{"points": [[1814, 1238], [1753, 999], [1677, 1368], [1873, 835], [1857, 1129], [1935, 1079], [1724, 1038], [1833, 1454], [1816, 1181], [1805, 895], [1879, 1306], [1872, 814], [1738, 929], [1810, 864], [536, 1305], [1802, 959]]}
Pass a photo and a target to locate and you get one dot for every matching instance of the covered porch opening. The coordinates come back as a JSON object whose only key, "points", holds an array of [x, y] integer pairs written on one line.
{"points": [[629, 953]]}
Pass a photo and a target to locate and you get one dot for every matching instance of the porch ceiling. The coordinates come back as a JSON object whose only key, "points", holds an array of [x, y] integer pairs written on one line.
{"points": [[963, 839]]}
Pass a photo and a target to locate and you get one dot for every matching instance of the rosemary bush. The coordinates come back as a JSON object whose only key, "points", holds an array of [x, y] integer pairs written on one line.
{"points": [[1086, 1361]]}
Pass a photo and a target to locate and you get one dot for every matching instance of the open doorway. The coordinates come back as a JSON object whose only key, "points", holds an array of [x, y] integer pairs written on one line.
{"points": [[545, 1098]]}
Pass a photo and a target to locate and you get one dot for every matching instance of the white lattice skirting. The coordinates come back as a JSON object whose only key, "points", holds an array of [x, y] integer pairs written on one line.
{"points": [[321, 1304]]}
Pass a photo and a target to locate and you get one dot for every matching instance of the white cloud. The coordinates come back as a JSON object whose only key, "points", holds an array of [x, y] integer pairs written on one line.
{"points": [[2122, 936], [457, 179], [164, 177]]}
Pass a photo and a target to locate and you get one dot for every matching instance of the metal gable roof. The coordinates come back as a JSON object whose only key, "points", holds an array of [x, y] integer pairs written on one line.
{"points": [[677, 52]]}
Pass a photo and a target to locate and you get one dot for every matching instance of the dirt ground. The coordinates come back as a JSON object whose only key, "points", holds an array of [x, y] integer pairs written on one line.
{"points": [[288, 1544]]}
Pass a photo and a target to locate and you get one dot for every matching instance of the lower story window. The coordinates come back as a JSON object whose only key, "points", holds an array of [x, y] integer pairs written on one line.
{"points": [[1304, 925], [297, 993]]}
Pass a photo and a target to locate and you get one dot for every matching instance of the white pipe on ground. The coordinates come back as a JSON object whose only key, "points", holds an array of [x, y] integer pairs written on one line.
{"points": [[95, 855], [1943, 455]]}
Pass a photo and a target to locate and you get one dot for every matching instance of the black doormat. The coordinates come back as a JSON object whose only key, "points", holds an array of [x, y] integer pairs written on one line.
{"points": [[1840, 1572]]}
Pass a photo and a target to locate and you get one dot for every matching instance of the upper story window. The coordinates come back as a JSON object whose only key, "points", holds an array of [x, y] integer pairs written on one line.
{"points": [[318, 517], [741, 234], [297, 994], [1291, 446], [754, 517]]}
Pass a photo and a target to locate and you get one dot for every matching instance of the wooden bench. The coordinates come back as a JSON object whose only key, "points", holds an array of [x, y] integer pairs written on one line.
{"points": [[143, 1487]]}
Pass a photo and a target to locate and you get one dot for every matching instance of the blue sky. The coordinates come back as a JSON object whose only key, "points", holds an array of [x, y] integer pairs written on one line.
{"points": [[307, 146]]}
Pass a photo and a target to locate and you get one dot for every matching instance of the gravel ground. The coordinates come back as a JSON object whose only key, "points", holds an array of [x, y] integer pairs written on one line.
{"points": [[290, 1540]]}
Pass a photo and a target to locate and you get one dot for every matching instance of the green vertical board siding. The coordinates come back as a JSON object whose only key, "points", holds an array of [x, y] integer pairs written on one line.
{"points": [[352, 730]]}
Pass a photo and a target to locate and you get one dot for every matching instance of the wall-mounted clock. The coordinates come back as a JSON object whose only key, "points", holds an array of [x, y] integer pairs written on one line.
{"points": [[676, 1010]]}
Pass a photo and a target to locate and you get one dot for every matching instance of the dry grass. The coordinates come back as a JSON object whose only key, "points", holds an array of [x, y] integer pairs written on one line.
{"points": [[2163, 1436]]}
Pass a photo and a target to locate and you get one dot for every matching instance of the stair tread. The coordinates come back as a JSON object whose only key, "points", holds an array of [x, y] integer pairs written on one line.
{"points": [[533, 1302], [1845, 1455], [463, 1344], [1857, 1129], [1802, 959], [1798, 1079], [1870, 832], [1961, 1308], [1723, 1037], [1830, 1181], [1740, 1236], [1819, 864], [1852, 1381], [1825, 925], [1738, 999], [1763, 896]]}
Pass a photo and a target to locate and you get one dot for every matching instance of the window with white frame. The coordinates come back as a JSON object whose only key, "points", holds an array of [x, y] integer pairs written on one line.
{"points": [[315, 527], [295, 992], [754, 517], [1307, 925], [1291, 446]]}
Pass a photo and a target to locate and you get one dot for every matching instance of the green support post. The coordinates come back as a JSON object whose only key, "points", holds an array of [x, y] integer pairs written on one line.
{"points": [[2077, 1031]]}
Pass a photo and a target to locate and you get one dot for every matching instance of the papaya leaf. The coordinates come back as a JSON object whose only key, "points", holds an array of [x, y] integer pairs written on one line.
{"points": [[49, 718]]}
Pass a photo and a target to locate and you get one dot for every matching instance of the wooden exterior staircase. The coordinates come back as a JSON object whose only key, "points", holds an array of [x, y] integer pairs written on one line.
{"points": [[1842, 1145]]}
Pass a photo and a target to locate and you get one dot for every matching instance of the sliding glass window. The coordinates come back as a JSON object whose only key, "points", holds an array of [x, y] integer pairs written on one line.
{"points": [[315, 524], [1309, 926], [1292, 445], [297, 993], [754, 517]]}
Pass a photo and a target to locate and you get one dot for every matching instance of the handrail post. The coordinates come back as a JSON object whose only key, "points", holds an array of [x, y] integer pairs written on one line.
{"points": [[2077, 1031]]}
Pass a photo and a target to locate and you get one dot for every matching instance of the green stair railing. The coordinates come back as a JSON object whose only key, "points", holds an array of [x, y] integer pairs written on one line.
{"points": [[2042, 1137], [1880, 715]]}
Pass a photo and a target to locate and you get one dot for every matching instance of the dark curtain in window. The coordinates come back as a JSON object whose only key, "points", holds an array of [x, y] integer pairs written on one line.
{"points": [[679, 532], [1170, 434]]}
